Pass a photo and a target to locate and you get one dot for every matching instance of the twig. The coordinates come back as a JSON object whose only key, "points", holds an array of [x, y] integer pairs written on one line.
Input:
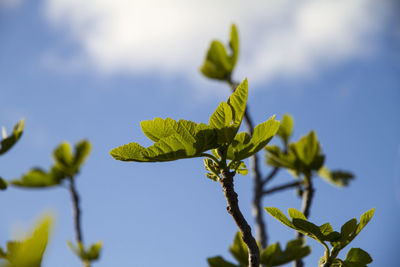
{"points": [[261, 232], [77, 215], [307, 196], [233, 209], [281, 187], [271, 175], [77, 210]]}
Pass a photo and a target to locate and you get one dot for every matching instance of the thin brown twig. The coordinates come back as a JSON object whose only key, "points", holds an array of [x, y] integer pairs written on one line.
{"points": [[234, 210], [77, 210], [261, 231], [281, 187], [77, 215], [307, 196]]}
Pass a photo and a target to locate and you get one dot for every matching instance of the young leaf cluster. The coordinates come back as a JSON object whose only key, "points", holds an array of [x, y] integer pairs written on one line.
{"points": [[8, 141], [89, 254], [273, 255], [28, 252], [186, 139], [218, 63], [325, 233], [304, 156], [66, 165]]}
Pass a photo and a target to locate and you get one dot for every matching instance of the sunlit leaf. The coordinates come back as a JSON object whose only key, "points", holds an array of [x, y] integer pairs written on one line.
{"points": [[245, 146], [29, 252]]}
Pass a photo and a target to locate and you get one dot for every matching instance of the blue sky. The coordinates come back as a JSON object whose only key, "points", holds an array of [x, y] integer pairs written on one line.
{"points": [[95, 70]]}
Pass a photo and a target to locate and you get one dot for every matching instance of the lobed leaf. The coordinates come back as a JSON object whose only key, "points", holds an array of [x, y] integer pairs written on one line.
{"points": [[245, 146]]}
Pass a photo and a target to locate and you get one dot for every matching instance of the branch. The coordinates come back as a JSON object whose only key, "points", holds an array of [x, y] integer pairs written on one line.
{"points": [[233, 209], [256, 175], [77, 215], [307, 196], [271, 175], [77, 210], [282, 187]]}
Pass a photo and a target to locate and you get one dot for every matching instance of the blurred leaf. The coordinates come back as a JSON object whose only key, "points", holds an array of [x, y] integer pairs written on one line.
{"points": [[286, 128], [3, 184], [239, 250], [62, 155], [219, 262], [29, 252], [9, 141], [218, 64], [304, 156], [356, 257], [337, 177], [90, 254], [274, 256], [40, 178], [82, 150]]}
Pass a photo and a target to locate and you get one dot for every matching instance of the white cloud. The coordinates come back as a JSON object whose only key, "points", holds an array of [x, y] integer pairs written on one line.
{"points": [[278, 37]]}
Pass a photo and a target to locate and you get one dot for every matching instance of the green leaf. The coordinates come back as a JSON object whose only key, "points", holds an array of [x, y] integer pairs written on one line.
{"points": [[364, 220], [218, 64], [39, 178], [3, 184], [243, 146], [356, 257], [238, 101], [274, 256], [277, 214], [238, 167], [29, 252], [221, 121], [234, 44], [62, 155], [9, 141], [296, 214], [336, 177], [277, 158], [309, 229], [212, 168], [239, 250], [286, 128], [219, 262], [90, 254], [308, 150], [82, 150]]}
